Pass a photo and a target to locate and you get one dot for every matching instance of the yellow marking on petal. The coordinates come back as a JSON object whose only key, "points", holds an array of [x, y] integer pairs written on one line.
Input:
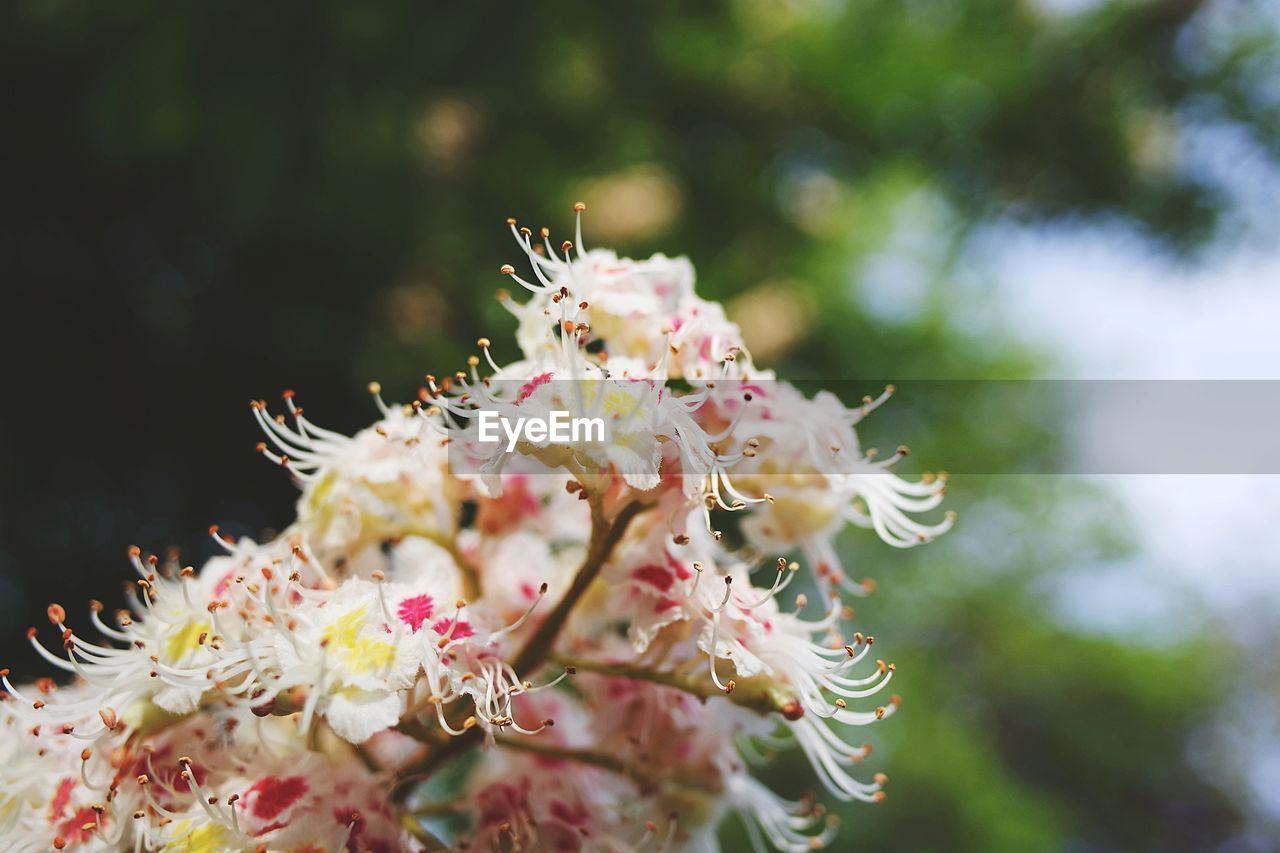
{"points": [[342, 632], [369, 654], [186, 639], [617, 402], [208, 838]]}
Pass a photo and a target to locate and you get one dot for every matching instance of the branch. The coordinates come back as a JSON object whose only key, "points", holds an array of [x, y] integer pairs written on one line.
{"points": [[605, 535], [758, 693], [603, 760]]}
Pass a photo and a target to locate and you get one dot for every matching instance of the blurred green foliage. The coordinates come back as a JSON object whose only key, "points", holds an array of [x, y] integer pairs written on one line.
{"points": [[209, 202]]}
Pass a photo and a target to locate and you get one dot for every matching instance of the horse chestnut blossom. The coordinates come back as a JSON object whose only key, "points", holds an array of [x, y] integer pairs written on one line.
{"points": [[619, 628]]}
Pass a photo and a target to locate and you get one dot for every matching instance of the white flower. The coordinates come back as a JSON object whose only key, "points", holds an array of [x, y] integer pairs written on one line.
{"points": [[386, 481], [209, 783], [644, 316], [241, 706], [809, 461]]}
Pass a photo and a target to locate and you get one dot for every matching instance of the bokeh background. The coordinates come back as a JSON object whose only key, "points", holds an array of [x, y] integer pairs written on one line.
{"points": [[206, 203]]}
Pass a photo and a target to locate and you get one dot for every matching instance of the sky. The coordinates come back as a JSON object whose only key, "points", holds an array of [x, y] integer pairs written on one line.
{"points": [[1110, 302]]}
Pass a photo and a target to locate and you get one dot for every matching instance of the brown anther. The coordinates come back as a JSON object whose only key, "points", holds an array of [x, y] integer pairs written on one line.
{"points": [[681, 539], [378, 575], [85, 754], [56, 614], [507, 269], [566, 246], [572, 670], [109, 718], [511, 220], [728, 688], [59, 842], [542, 590]]}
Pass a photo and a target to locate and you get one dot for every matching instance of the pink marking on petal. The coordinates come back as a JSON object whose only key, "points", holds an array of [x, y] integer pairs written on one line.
{"points": [[416, 610], [269, 797], [61, 799], [463, 630], [655, 576], [531, 386]]}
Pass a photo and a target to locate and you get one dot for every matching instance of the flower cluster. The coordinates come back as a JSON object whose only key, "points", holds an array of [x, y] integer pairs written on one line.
{"points": [[601, 621]]}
